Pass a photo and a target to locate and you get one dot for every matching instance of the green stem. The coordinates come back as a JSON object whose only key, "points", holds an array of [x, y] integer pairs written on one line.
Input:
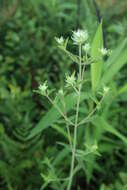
{"points": [[76, 124], [59, 110], [84, 66], [67, 126], [92, 112]]}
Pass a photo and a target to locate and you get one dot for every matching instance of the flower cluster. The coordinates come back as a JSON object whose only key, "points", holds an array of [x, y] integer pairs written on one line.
{"points": [[86, 47], [43, 88], [70, 80], [106, 89], [61, 92], [60, 40], [79, 36], [105, 51]]}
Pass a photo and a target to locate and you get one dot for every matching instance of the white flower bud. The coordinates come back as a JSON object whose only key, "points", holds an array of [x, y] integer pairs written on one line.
{"points": [[106, 89], [43, 88], [70, 80], [104, 51], [94, 147], [60, 40], [86, 47], [61, 92]]}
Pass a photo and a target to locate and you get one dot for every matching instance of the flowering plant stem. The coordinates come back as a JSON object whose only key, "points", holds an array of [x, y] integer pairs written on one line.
{"points": [[79, 38], [92, 112], [76, 121], [67, 125], [59, 110]]}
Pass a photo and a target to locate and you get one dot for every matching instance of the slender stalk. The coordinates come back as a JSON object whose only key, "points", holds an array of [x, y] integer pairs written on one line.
{"points": [[80, 62], [75, 89], [67, 125], [76, 123], [59, 110], [84, 66], [69, 135], [92, 112]]}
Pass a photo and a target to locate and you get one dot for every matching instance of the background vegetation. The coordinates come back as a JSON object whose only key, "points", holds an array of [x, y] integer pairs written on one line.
{"points": [[28, 56]]}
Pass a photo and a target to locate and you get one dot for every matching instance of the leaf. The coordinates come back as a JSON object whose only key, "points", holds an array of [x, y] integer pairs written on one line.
{"points": [[106, 147], [61, 156], [115, 55], [111, 71], [100, 121], [60, 130], [123, 89], [71, 56], [53, 115], [68, 6], [96, 67], [102, 126]]}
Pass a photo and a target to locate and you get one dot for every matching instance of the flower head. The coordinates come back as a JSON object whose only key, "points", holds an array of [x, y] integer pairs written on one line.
{"points": [[79, 36], [60, 40], [104, 51], [61, 92], [43, 88], [70, 80], [106, 89], [94, 147], [86, 47]]}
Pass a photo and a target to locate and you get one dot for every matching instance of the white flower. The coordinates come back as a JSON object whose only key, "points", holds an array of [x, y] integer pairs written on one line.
{"points": [[60, 40], [70, 80], [104, 51], [106, 89], [86, 47], [43, 88], [79, 36], [94, 148], [61, 92]]}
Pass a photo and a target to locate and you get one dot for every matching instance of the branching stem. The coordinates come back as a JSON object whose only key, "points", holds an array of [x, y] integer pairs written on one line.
{"points": [[59, 110], [92, 112]]}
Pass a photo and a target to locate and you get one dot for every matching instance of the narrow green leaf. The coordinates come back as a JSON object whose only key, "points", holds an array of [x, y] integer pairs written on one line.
{"points": [[60, 130], [96, 67], [53, 115], [116, 54], [61, 156], [123, 89], [100, 121], [111, 71]]}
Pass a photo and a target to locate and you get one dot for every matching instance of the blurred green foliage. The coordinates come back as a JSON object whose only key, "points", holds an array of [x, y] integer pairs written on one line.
{"points": [[28, 56]]}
